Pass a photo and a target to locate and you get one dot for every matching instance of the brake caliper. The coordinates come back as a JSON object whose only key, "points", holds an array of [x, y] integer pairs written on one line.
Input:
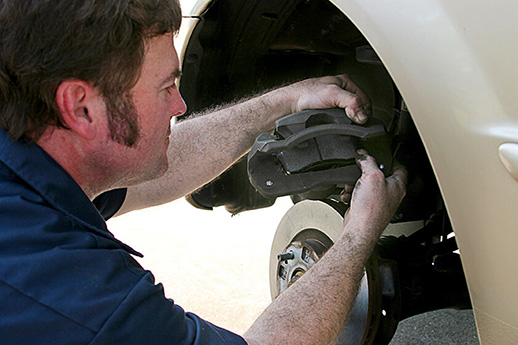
{"points": [[312, 152]]}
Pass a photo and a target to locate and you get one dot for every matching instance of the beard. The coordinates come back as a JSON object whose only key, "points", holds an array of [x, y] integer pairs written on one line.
{"points": [[122, 119], [124, 129]]}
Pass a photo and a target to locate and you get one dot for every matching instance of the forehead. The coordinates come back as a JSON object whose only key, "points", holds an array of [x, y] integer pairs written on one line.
{"points": [[160, 61]]}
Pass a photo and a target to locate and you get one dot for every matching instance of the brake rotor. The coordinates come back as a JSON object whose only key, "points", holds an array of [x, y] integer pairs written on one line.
{"points": [[304, 234]]}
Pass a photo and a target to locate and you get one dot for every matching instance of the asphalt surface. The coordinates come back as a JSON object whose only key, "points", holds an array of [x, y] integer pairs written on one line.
{"points": [[440, 327], [216, 266]]}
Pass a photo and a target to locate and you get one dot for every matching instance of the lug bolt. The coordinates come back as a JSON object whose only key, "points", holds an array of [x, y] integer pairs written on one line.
{"points": [[286, 256]]}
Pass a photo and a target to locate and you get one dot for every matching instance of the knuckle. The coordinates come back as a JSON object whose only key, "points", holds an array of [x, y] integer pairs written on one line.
{"points": [[355, 101], [375, 176], [371, 160], [378, 175], [344, 79]]}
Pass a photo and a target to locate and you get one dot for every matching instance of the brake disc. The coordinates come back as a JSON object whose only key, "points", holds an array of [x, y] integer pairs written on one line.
{"points": [[307, 230]]}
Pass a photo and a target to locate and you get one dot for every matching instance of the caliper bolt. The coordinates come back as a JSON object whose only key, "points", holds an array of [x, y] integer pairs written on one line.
{"points": [[269, 183], [286, 256]]}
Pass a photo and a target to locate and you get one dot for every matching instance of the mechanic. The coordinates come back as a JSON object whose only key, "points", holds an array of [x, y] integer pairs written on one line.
{"points": [[87, 94]]}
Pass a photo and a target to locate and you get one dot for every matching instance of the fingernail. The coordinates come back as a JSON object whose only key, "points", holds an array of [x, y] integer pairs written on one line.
{"points": [[361, 116], [360, 155]]}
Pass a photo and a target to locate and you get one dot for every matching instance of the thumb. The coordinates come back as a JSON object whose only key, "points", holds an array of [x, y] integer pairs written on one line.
{"points": [[366, 162]]}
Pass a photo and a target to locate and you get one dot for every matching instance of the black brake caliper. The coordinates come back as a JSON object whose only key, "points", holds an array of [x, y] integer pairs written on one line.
{"points": [[312, 152]]}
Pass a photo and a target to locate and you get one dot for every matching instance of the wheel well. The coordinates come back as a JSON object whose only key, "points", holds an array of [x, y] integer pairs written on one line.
{"points": [[272, 44], [243, 47]]}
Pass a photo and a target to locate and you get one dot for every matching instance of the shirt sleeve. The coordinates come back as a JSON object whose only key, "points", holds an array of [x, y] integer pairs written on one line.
{"points": [[110, 202]]}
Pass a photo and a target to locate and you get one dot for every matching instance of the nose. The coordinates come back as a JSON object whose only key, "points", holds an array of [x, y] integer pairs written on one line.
{"points": [[177, 104]]}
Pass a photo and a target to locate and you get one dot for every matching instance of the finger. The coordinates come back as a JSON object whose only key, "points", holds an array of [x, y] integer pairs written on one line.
{"points": [[346, 193], [345, 197], [350, 86], [356, 113], [367, 163], [352, 104], [348, 188], [358, 109], [399, 173]]}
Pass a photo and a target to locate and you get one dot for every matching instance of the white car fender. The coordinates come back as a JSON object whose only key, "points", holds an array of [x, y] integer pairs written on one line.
{"points": [[455, 63]]}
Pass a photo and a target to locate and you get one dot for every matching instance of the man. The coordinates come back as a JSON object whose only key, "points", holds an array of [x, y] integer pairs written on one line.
{"points": [[87, 92]]}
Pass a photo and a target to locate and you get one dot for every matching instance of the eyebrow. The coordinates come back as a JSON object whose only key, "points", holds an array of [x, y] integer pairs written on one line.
{"points": [[171, 77]]}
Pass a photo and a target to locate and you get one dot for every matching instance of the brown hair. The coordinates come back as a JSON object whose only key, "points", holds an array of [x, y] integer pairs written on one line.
{"points": [[43, 43]]}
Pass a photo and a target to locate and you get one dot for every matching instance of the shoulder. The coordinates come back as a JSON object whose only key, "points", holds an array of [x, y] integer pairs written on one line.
{"points": [[22, 209], [55, 268]]}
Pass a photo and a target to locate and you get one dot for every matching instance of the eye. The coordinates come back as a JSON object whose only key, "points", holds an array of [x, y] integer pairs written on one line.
{"points": [[170, 88]]}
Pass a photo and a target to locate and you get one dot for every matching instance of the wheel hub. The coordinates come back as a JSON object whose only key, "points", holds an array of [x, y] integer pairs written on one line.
{"points": [[297, 259]]}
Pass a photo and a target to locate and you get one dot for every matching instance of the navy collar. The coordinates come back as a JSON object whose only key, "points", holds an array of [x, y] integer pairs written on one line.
{"points": [[40, 171]]}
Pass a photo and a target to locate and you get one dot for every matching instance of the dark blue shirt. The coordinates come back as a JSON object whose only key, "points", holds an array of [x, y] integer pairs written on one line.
{"points": [[64, 278]]}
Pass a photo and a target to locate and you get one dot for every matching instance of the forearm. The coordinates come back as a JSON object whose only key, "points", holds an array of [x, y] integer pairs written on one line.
{"points": [[313, 310], [203, 147]]}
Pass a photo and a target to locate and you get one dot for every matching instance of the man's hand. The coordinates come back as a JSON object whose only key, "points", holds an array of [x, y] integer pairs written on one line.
{"points": [[375, 198], [332, 92], [217, 140], [319, 302]]}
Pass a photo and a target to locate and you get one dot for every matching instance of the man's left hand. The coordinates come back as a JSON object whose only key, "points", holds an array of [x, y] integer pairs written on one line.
{"points": [[332, 92]]}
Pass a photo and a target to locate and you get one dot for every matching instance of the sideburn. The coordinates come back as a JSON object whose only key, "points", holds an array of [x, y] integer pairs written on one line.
{"points": [[122, 119]]}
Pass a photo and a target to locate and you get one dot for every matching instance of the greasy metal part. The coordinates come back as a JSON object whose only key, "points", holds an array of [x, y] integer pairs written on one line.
{"points": [[305, 220], [430, 273], [286, 256], [232, 190], [314, 149], [303, 255]]}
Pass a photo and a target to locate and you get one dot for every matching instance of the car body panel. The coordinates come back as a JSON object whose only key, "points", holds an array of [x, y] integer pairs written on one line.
{"points": [[455, 65], [458, 78], [193, 8], [188, 25]]}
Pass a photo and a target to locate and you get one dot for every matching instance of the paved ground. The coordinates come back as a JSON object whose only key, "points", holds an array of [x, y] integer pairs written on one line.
{"points": [[216, 266], [442, 327]]}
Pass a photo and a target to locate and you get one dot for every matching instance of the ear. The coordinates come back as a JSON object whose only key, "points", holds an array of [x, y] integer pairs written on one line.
{"points": [[78, 102]]}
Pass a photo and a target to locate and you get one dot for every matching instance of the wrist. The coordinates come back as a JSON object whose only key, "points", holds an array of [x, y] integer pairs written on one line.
{"points": [[362, 230], [281, 102]]}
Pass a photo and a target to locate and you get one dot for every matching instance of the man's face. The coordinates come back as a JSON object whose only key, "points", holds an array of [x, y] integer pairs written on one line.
{"points": [[142, 139]]}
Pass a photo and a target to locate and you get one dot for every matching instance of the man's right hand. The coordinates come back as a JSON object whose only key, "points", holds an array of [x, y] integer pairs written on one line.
{"points": [[319, 302], [374, 198]]}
